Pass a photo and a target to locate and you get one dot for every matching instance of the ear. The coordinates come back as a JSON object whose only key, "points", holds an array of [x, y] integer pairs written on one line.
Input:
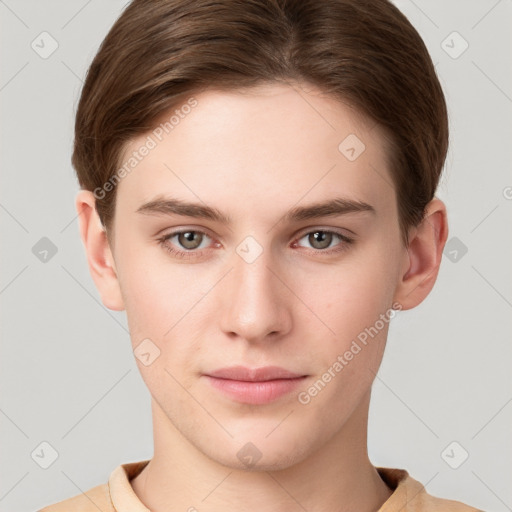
{"points": [[424, 255], [98, 251]]}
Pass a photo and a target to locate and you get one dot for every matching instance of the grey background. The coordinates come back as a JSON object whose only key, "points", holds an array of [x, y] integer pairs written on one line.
{"points": [[68, 375]]}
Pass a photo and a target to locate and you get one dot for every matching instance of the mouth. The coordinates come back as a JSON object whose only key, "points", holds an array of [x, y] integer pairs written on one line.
{"points": [[254, 386]]}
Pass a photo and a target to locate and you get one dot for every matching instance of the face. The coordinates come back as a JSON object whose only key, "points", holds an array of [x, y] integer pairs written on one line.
{"points": [[257, 274]]}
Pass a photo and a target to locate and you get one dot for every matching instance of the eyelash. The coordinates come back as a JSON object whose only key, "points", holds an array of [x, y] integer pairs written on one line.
{"points": [[163, 241]]}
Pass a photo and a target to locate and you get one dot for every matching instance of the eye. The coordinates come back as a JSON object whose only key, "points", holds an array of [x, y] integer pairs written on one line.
{"points": [[187, 244], [321, 239], [189, 239]]}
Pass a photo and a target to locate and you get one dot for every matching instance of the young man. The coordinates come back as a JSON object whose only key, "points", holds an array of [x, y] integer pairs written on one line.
{"points": [[258, 184]]}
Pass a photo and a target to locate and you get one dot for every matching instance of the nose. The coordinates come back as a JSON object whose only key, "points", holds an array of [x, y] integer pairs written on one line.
{"points": [[255, 302]]}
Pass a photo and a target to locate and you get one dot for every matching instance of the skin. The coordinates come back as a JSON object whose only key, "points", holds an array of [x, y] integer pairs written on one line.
{"points": [[254, 155]]}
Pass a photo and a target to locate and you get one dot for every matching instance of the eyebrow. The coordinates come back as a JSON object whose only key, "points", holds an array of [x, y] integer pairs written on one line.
{"points": [[332, 207]]}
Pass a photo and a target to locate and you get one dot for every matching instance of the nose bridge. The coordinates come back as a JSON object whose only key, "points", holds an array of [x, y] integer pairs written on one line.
{"points": [[255, 302]]}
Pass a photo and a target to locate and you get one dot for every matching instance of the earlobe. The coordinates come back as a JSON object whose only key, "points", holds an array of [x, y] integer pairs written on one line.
{"points": [[99, 254], [424, 255]]}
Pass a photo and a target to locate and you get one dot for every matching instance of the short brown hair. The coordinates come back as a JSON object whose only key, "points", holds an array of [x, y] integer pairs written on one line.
{"points": [[362, 52]]}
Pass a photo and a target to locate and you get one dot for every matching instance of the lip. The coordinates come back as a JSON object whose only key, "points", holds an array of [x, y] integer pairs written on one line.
{"points": [[254, 375], [254, 386]]}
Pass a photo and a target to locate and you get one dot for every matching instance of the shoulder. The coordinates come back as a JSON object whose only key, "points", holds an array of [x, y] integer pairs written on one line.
{"points": [[97, 498], [102, 498], [409, 495], [428, 503]]}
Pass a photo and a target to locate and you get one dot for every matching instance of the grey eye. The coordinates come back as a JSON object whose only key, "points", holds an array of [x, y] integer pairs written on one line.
{"points": [[320, 239], [190, 239]]}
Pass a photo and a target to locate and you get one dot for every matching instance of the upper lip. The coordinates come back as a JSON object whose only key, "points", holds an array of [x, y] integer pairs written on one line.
{"points": [[255, 374]]}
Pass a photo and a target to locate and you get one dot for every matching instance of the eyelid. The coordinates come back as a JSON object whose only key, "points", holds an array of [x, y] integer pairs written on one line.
{"points": [[300, 234], [326, 229], [178, 231]]}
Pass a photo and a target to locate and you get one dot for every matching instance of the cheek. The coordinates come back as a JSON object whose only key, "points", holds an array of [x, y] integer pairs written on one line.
{"points": [[165, 304], [352, 295], [157, 294], [162, 320], [354, 301]]}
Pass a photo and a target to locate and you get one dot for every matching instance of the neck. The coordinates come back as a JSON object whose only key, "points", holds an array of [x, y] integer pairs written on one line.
{"points": [[338, 477]]}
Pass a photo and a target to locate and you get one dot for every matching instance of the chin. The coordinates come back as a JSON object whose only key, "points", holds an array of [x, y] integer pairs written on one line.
{"points": [[261, 456]]}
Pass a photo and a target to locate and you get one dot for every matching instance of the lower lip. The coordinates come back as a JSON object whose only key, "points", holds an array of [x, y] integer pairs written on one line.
{"points": [[261, 392]]}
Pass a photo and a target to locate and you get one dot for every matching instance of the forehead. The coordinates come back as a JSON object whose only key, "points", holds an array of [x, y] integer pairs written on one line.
{"points": [[256, 147]]}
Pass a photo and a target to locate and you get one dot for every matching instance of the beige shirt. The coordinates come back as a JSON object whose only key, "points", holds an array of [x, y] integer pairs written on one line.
{"points": [[118, 496]]}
